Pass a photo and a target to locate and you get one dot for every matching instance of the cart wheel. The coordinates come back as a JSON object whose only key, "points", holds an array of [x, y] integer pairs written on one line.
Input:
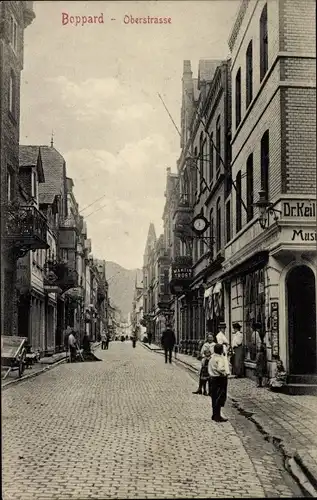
{"points": [[21, 364]]}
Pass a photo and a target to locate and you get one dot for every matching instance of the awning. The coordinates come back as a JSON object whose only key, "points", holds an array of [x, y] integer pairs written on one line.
{"points": [[257, 261], [217, 288]]}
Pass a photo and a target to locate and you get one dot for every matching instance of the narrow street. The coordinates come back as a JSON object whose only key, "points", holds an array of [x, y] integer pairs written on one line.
{"points": [[129, 427]]}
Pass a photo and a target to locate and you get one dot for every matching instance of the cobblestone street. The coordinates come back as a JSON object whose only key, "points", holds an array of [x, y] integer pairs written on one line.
{"points": [[129, 427]]}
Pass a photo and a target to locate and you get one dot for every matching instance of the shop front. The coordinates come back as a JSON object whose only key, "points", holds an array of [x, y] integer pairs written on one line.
{"points": [[295, 257], [271, 276]]}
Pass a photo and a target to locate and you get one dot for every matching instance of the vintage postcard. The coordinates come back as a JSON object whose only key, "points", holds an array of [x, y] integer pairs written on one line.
{"points": [[158, 249]]}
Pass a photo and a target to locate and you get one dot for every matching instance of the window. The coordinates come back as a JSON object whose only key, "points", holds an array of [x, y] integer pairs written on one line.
{"points": [[228, 221], [166, 281], [250, 188], [264, 59], [238, 203], [201, 157], [33, 185], [12, 94], [253, 307], [212, 234], [249, 75], [238, 97], [201, 247], [265, 162], [14, 34], [218, 146], [211, 160], [10, 184], [218, 226]]}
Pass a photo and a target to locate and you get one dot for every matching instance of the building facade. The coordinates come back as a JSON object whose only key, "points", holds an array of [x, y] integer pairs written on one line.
{"points": [[204, 173], [270, 259], [15, 16]]}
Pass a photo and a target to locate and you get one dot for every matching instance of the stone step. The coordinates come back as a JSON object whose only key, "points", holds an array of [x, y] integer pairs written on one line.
{"points": [[299, 389], [302, 379]]}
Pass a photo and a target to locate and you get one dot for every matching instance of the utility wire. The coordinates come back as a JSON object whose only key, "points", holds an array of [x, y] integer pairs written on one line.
{"points": [[217, 151], [87, 206], [169, 114]]}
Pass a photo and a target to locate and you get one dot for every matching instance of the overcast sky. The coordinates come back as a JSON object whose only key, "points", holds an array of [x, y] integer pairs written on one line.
{"points": [[96, 86]]}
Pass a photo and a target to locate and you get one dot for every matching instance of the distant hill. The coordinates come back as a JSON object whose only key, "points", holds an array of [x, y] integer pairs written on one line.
{"points": [[121, 286]]}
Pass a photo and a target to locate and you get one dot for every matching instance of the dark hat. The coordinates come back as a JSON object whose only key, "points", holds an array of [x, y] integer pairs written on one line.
{"points": [[236, 325], [222, 324]]}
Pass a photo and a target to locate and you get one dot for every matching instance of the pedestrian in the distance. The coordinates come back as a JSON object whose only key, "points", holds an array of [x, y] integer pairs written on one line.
{"points": [[134, 339], [72, 345], [107, 341], [149, 338], [103, 340], [168, 341], [218, 372]]}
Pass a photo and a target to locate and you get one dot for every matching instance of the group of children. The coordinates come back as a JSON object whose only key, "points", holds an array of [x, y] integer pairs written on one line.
{"points": [[215, 371]]}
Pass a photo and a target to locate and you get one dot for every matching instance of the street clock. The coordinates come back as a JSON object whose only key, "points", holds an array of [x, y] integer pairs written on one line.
{"points": [[200, 224]]}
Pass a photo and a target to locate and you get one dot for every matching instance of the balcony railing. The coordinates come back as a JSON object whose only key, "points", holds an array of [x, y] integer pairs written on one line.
{"points": [[25, 226]]}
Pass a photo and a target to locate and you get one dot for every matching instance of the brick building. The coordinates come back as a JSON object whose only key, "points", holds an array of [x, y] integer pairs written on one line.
{"points": [[204, 185], [270, 260], [15, 16]]}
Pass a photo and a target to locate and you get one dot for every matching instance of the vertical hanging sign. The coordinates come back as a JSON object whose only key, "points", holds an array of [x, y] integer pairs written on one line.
{"points": [[274, 329]]}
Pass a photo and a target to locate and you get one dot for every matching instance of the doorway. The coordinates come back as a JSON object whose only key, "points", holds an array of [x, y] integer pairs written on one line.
{"points": [[301, 299]]}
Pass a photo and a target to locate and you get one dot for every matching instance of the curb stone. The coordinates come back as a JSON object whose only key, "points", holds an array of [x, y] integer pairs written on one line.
{"points": [[39, 372], [292, 461]]}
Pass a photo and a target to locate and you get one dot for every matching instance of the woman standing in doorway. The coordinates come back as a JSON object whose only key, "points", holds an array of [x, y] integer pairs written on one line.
{"points": [[261, 361], [237, 359]]}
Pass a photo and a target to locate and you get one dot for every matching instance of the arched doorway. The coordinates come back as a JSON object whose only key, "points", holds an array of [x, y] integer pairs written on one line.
{"points": [[301, 300]]}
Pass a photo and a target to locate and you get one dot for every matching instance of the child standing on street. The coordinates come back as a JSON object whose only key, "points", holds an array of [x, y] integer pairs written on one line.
{"points": [[218, 372], [204, 374]]}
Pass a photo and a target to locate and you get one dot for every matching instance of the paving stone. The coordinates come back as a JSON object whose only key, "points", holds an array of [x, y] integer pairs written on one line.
{"points": [[125, 427]]}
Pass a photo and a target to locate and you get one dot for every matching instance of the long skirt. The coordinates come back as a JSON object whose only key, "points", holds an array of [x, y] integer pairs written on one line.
{"points": [[238, 361], [219, 391]]}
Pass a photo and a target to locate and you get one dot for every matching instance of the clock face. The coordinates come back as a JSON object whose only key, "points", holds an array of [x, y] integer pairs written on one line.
{"points": [[200, 224]]}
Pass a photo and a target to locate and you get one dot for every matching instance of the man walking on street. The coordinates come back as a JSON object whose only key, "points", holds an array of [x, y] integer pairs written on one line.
{"points": [[72, 344], [168, 342], [103, 340]]}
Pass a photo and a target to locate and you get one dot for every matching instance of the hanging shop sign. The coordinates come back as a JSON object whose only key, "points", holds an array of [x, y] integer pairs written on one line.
{"points": [[274, 329]]}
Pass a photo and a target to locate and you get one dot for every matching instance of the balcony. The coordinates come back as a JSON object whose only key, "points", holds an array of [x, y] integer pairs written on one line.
{"points": [[25, 227], [183, 217], [60, 275], [181, 274]]}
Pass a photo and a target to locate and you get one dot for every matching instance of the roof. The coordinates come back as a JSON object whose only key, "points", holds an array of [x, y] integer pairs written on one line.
{"points": [[29, 156], [53, 166]]}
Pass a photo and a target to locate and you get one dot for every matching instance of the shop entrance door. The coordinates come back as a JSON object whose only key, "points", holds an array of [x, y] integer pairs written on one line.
{"points": [[301, 299]]}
